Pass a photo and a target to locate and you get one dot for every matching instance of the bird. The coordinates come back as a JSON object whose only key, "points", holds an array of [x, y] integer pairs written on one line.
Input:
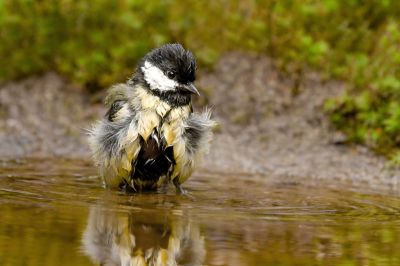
{"points": [[150, 133]]}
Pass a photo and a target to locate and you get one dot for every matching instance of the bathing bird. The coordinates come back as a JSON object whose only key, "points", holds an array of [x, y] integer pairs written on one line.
{"points": [[150, 133]]}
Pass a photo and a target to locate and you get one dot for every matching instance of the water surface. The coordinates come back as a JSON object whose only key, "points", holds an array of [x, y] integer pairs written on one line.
{"points": [[58, 213]]}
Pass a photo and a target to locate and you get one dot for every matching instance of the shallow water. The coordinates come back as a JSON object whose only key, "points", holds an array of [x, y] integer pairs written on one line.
{"points": [[58, 213]]}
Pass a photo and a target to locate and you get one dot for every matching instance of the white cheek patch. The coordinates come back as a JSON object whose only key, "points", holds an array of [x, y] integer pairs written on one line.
{"points": [[156, 78]]}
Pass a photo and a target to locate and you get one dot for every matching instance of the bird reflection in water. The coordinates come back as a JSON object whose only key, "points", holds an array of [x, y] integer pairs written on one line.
{"points": [[138, 238]]}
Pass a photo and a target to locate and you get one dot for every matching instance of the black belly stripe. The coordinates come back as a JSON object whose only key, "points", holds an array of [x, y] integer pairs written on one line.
{"points": [[152, 163]]}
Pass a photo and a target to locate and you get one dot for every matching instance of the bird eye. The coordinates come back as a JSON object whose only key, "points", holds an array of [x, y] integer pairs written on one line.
{"points": [[171, 74]]}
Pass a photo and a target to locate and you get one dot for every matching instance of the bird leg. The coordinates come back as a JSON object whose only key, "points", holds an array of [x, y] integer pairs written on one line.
{"points": [[178, 187]]}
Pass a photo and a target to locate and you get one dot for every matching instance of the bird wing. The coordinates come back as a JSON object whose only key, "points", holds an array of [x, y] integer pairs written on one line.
{"points": [[113, 114], [118, 101], [115, 141], [192, 145]]}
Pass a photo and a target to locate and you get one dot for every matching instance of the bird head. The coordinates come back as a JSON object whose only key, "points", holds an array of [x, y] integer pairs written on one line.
{"points": [[169, 72]]}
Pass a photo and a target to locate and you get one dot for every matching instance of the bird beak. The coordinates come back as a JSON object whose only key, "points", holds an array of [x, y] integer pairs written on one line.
{"points": [[190, 87]]}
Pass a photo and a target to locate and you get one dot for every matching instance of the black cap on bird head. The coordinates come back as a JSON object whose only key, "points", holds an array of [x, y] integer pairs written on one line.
{"points": [[168, 70]]}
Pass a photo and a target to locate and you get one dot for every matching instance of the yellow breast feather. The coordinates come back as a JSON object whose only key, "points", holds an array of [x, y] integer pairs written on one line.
{"points": [[148, 120], [173, 126]]}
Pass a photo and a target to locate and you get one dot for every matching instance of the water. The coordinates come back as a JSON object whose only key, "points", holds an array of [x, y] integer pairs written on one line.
{"points": [[58, 213]]}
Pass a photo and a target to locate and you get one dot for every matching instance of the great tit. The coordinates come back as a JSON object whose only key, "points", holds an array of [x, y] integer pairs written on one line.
{"points": [[150, 133]]}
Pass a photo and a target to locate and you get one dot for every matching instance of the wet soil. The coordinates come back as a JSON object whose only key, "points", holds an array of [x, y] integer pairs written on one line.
{"points": [[44, 117], [274, 125], [58, 212]]}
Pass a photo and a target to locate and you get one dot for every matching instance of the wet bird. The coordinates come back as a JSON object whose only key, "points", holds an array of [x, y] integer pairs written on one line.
{"points": [[150, 133]]}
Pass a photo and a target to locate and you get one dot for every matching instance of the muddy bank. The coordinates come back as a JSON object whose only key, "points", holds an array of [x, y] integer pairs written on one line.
{"points": [[271, 125], [43, 117], [274, 125]]}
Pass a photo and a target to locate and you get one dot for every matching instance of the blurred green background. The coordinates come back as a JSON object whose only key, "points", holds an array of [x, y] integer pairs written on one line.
{"points": [[98, 43]]}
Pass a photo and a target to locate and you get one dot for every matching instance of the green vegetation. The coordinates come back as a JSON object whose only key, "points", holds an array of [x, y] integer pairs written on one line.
{"points": [[98, 43]]}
